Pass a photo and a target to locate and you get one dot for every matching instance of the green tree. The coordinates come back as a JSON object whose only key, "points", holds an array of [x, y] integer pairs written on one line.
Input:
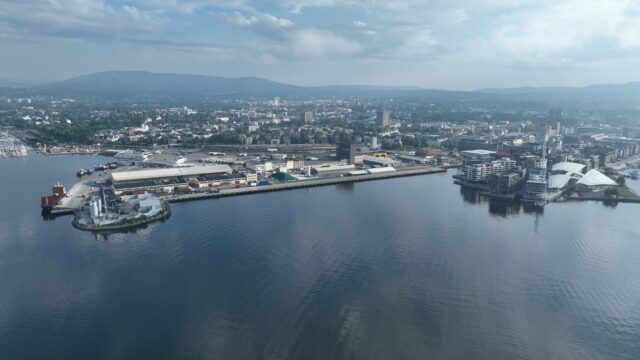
{"points": [[611, 192]]}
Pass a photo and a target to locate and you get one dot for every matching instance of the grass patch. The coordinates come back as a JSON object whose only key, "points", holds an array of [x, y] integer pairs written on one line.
{"points": [[626, 193]]}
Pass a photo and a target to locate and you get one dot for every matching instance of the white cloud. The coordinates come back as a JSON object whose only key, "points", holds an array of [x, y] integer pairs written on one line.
{"points": [[319, 43], [76, 17], [386, 34], [192, 6], [576, 29], [261, 20], [419, 44]]}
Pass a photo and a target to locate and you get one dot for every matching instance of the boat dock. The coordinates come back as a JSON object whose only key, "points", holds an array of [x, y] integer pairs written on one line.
{"points": [[74, 200]]}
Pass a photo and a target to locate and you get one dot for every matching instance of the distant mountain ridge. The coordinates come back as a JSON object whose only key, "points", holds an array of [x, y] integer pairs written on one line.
{"points": [[133, 83], [142, 84], [620, 94]]}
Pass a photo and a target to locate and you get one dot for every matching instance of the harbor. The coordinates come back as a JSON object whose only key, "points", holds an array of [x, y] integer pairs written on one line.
{"points": [[119, 200]]}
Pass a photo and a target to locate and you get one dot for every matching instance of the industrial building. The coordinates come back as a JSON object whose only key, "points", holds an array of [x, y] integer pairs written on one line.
{"points": [[332, 170], [381, 170], [416, 159], [166, 180], [378, 161], [206, 181], [135, 187]]}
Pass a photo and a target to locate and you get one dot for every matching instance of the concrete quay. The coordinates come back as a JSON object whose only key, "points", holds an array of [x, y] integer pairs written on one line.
{"points": [[304, 184], [80, 191]]}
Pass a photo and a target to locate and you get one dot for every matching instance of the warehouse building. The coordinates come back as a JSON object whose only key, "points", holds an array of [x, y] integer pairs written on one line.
{"points": [[137, 187], [416, 159], [206, 181], [332, 170], [378, 161], [165, 180]]}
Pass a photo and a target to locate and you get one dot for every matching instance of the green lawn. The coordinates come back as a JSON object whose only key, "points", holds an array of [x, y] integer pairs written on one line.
{"points": [[626, 193]]}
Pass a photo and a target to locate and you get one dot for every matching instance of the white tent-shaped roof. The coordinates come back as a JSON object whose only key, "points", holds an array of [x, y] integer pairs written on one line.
{"points": [[559, 181], [596, 178], [569, 167]]}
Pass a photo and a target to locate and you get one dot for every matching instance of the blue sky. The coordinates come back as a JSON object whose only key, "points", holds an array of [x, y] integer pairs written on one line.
{"points": [[455, 44]]}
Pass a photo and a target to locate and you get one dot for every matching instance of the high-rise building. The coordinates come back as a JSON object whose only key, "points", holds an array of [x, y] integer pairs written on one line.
{"points": [[307, 117], [555, 114], [346, 150], [383, 119]]}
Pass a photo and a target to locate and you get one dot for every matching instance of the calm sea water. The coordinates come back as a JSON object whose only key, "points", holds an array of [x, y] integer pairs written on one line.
{"points": [[407, 268]]}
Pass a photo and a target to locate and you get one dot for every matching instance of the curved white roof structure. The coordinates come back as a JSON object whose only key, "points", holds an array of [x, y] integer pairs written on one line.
{"points": [[568, 167], [596, 178], [559, 181]]}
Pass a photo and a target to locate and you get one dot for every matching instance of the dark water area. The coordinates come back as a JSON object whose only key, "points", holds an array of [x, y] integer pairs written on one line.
{"points": [[406, 268]]}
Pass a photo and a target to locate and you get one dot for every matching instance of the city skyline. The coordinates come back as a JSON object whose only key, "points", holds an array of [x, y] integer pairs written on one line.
{"points": [[459, 45]]}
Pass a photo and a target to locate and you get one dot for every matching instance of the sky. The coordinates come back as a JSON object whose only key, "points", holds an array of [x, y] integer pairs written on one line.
{"points": [[446, 44]]}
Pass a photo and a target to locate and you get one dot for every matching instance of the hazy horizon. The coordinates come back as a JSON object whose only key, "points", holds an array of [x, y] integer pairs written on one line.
{"points": [[454, 45], [17, 82]]}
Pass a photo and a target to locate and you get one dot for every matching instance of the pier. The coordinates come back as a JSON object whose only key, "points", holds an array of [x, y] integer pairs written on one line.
{"points": [[304, 184], [78, 194]]}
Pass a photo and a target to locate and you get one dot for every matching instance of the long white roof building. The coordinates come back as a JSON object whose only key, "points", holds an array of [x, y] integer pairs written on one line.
{"points": [[152, 174]]}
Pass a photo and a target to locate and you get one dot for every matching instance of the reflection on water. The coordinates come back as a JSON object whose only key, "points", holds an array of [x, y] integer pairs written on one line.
{"points": [[504, 208], [345, 187], [610, 203], [499, 207], [472, 196], [406, 268]]}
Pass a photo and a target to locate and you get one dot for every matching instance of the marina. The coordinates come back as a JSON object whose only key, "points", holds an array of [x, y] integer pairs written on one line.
{"points": [[11, 146]]}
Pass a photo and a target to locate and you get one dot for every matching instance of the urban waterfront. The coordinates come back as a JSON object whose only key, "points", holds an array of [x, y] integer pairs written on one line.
{"points": [[410, 267]]}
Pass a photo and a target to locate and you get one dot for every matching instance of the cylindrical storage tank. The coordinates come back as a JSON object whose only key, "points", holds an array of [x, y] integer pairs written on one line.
{"points": [[93, 208], [99, 205]]}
